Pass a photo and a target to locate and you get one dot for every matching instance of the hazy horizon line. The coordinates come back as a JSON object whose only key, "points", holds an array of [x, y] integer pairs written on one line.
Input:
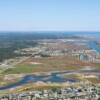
{"points": [[47, 31]]}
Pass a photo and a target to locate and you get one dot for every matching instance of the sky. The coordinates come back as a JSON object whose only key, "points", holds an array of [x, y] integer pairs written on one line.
{"points": [[49, 15]]}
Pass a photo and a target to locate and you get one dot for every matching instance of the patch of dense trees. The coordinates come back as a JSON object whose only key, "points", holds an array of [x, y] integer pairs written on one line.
{"points": [[7, 51]]}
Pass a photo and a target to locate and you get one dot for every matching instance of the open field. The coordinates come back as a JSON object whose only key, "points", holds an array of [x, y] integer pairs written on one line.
{"points": [[72, 76], [97, 66], [94, 80], [32, 65], [8, 79]]}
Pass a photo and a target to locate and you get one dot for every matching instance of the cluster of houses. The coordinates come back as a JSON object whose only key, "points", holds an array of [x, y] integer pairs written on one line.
{"points": [[83, 92], [60, 48]]}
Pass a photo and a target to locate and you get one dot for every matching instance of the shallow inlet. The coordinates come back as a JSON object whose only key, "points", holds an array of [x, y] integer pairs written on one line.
{"points": [[54, 77]]}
